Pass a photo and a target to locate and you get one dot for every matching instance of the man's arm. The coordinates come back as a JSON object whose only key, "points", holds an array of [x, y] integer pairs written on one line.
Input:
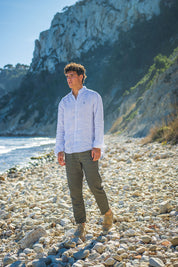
{"points": [[98, 128], [59, 148]]}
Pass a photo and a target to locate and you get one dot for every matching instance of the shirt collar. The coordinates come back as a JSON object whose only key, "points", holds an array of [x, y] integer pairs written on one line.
{"points": [[80, 91]]}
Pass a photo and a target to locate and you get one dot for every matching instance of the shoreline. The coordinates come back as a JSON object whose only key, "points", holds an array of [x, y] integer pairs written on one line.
{"points": [[33, 161], [36, 218], [17, 152]]}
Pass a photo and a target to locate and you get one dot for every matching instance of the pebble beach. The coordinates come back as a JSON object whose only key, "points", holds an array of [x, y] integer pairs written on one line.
{"points": [[141, 182]]}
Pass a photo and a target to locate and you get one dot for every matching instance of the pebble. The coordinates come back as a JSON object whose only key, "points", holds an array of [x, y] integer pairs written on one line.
{"points": [[146, 239], [110, 261], [99, 248], [33, 236], [81, 254], [141, 250], [36, 217], [156, 262], [9, 260], [174, 241]]}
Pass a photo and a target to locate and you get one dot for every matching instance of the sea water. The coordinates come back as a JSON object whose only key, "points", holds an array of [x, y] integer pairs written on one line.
{"points": [[17, 151]]}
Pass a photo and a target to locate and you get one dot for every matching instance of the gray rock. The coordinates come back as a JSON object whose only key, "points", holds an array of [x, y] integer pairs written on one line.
{"points": [[81, 254], [146, 239], [38, 248], [99, 247], [110, 261], [69, 244], [120, 264], [93, 255], [28, 251], [65, 258], [64, 221], [101, 239], [78, 264], [53, 251], [174, 241], [32, 237], [141, 250], [155, 262], [9, 260], [165, 207], [38, 263], [17, 264]]}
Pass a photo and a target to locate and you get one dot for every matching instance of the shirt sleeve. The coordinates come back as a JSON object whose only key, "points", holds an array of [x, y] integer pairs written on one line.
{"points": [[98, 123], [60, 129]]}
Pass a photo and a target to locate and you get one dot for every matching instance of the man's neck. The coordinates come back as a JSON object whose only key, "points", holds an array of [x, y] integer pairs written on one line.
{"points": [[76, 90]]}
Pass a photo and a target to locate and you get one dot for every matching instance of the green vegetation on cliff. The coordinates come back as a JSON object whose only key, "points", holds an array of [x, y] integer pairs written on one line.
{"points": [[161, 64]]}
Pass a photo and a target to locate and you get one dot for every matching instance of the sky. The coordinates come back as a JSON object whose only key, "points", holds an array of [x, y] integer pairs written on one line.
{"points": [[21, 22]]}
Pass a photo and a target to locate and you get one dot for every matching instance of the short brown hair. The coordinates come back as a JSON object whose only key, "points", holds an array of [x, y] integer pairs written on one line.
{"points": [[76, 67]]}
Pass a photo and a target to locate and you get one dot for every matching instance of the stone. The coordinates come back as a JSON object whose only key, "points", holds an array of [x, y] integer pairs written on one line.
{"points": [[174, 241], [153, 248], [17, 264], [38, 263], [155, 262], [99, 247], [28, 251], [110, 261], [69, 244], [78, 264], [165, 207], [141, 250], [65, 221], [120, 250], [137, 193], [38, 248], [146, 239], [2, 178], [32, 237], [117, 257], [101, 239], [52, 251], [93, 255], [9, 260], [81, 254]]}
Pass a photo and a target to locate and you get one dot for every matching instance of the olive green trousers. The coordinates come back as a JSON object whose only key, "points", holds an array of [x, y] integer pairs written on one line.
{"points": [[78, 164]]}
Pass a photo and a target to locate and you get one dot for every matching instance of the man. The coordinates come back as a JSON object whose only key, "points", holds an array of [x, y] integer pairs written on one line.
{"points": [[79, 141]]}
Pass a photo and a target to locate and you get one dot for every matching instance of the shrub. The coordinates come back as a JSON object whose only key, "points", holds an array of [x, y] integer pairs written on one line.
{"points": [[162, 62], [164, 134]]}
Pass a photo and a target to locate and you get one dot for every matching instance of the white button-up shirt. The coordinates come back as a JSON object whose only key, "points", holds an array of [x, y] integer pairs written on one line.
{"points": [[80, 125]]}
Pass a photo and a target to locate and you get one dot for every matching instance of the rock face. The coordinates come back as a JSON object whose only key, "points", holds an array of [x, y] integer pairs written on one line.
{"points": [[86, 26], [140, 111]]}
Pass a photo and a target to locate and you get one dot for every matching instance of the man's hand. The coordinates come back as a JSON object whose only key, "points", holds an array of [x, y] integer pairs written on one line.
{"points": [[96, 153], [61, 158]]}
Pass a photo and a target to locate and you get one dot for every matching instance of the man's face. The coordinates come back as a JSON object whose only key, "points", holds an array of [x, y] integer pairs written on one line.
{"points": [[74, 80]]}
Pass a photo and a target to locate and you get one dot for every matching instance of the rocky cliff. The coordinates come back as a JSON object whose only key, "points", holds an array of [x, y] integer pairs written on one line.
{"points": [[152, 101], [117, 41], [86, 26]]}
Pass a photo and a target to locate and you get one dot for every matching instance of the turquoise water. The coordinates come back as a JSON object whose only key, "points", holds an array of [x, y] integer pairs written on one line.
{"points": [[17, 151]]}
